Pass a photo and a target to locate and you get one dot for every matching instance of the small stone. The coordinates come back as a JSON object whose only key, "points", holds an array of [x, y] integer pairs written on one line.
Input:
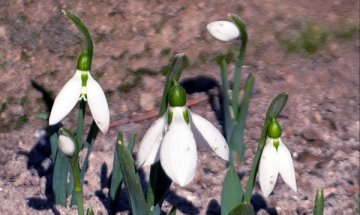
{"points": [[2, 31], [311, 134], [147, 101]]}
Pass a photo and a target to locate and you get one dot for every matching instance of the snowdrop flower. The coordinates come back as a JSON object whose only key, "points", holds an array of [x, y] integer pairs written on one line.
{"points": [[82, 86], [223, 30], [275, 159], [172, 140]]}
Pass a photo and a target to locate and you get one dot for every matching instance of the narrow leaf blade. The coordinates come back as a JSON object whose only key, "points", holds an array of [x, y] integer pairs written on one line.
{"points": [[319, 203], [243, 209], [237, 145], [83, 29], [228, 122], [179, 63], [232, 193], [277, 106], [116, 175], [131, 180], [60, 175]]}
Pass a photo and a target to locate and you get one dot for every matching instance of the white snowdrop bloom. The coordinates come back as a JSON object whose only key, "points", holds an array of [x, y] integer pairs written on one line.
{"points": [[81, 86], [275, 159], [223, 30], [66, 145], [172, 140]]}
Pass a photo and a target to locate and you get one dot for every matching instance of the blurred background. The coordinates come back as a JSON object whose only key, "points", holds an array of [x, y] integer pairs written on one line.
{"points": [[309, 49]]}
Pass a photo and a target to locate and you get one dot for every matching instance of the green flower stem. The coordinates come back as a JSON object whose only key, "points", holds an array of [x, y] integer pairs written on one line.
{"points": [[80, 124], [255, 165], [77, 184], [226, 102], [236, 89]]}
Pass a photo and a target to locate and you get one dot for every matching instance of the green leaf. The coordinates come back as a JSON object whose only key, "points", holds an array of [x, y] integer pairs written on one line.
{"points": [[240, 61], [232, 193], [116, 175], [60, 177], [319, 203], [159, 185], [179, 63], [237, 145], [84, 30], [225, 96], [243, 209], [131, 180], [54, 138], [276, 106]]}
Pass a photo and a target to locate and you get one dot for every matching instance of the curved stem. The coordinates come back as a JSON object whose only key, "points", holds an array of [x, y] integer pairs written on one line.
{"points": [[77, 185], [236, 88]]}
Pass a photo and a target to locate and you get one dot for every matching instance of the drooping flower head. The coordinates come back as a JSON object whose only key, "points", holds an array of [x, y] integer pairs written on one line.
{"points": [[172, 139], [82, 86], [275, 159], [223, 30]]}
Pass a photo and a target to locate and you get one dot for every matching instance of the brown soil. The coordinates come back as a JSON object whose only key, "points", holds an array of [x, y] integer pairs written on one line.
{"points": [[309, 49]]}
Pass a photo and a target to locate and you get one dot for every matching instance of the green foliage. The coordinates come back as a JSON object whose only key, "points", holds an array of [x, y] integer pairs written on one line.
{"points": [[131, 180], [117, 176], [319, 203], [84, 30], [243, 209], [236, 143], [232, 193]]}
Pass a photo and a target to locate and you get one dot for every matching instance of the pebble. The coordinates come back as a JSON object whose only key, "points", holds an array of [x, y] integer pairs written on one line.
{"points": [[312, 133], [147, 101]]}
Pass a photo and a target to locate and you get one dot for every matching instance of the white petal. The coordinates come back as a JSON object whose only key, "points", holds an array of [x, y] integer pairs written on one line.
{"points": [[66, 99], [66, 145], [286, 166], [150, 144], [223, 30], [268, 168], [206, 133], [98, 105], [178, 155]]}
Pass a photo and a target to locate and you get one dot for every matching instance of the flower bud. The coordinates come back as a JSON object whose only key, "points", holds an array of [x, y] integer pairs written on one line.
{"points": [[223, 30], [177, 96], [274, 129], [66, 145], [84, 62]]}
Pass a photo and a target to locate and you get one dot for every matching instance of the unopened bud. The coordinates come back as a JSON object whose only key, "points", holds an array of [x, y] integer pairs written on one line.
{"points": [[66, 145]]}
